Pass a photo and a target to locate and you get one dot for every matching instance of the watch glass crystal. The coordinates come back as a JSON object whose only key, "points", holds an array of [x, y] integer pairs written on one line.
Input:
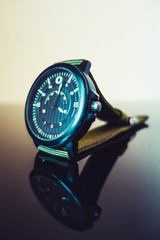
{"points": [[53, 103]]}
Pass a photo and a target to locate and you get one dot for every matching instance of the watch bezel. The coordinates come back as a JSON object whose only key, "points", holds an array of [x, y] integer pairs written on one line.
{"points": [[78, 124]]}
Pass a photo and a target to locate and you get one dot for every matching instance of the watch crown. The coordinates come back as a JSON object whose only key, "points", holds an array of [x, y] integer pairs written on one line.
{"points": [[96, 106]]}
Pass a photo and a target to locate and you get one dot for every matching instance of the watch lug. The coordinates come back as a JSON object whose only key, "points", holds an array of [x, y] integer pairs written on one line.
{"points": [[91, 117], [94, 95], [85, 66], [72, 149]]}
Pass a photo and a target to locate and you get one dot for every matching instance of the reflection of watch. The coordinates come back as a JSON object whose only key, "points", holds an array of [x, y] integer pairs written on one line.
{"points": [[52, 186], [69, 195], [61, 106]]}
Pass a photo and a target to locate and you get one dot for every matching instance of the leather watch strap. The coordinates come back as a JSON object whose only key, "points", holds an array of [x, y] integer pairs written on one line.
{"points": [[97, 139]]}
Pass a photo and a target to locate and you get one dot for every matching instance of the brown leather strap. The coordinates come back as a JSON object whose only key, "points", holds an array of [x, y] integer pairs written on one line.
{"points": [[97, 139], [100, 136]]}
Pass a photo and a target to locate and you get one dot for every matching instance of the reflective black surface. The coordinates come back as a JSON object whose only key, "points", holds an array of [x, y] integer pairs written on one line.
{"points": [[71, 197], [121, 185]]}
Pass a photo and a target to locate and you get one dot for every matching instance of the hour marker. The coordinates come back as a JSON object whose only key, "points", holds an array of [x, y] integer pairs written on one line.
{"points": [[44, 110], [65, 111], [75, 90], [43, 94], [51, 125], [60, 124], [49, 82], [38, 104], [70, 79], [44, 122]]}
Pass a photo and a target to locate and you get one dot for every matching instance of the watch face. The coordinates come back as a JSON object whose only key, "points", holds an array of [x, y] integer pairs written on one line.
{"points": [[55, 105]]}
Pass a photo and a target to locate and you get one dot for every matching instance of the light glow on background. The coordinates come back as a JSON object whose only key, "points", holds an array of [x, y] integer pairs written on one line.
{"points": [[120, 38]]}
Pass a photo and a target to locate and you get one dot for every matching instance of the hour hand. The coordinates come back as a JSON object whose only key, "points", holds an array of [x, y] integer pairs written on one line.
{"points": [[61, 110]]}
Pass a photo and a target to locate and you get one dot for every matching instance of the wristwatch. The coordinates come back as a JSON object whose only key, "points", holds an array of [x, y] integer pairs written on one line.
{"points": [[62, 104]]}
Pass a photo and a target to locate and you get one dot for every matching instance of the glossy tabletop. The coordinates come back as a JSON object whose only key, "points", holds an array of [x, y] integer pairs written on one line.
{"points": [[112, 195]]}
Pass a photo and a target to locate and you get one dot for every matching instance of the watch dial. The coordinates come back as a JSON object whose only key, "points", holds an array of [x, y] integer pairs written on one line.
{"points": [[53, 103]]}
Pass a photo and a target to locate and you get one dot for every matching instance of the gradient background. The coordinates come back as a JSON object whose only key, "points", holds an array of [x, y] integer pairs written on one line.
{"points": [[120, 38]]}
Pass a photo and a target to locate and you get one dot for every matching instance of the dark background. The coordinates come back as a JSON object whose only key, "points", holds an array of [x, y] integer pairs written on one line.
{"points": [[130, 197]]}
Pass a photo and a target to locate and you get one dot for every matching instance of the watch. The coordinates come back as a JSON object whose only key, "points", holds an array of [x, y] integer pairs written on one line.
{"points": [[62, 104]]}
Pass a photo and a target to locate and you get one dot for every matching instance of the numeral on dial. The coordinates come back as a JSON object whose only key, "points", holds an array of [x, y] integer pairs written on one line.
{"points": [[58, 80], [75, 104]]}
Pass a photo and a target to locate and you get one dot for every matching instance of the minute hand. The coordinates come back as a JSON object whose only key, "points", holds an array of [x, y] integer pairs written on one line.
{"points": [[58, 93], [60, 88]]}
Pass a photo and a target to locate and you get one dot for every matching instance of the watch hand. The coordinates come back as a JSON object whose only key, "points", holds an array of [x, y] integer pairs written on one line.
{"points": [[61, 110], [60, 88], [57, 96], [58, 93]]}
